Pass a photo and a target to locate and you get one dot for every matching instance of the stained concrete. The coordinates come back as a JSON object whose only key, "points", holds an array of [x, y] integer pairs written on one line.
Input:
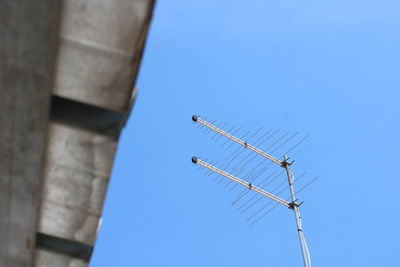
{"points": [[28, 41], [76, 177], [55, 165], [100, 50]]}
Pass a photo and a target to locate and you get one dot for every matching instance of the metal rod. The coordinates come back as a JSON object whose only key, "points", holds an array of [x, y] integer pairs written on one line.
{"points": [[237, 140], [272, 191], [244, 204], [219, 136], [295, 208], [241, 182], [240, 138], [259, 218]]}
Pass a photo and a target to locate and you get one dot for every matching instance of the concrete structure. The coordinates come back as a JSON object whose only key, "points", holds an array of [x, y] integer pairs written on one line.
{"points": [[67, 78]]}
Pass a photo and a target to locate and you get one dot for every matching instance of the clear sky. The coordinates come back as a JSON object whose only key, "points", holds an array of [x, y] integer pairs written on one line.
{"points": [[325, 68]]}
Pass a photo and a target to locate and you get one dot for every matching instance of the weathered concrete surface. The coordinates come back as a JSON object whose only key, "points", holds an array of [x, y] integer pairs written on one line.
{"points": [[28, 40], [55, 166], [100, 50], [77, 173], [47, 258]]}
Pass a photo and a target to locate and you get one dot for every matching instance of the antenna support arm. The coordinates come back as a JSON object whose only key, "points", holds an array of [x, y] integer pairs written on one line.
{"points": [[195, 160], [237, 140]]}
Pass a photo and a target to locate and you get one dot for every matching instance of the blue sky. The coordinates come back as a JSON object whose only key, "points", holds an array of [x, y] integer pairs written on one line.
{"points": [[325, 68]]}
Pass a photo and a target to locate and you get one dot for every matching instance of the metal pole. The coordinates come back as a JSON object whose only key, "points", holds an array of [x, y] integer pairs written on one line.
{"points": [[295, 208]]}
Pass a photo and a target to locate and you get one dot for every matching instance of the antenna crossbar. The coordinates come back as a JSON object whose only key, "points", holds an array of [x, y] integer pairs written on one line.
{"points": [[237, 140], [241, 182]]}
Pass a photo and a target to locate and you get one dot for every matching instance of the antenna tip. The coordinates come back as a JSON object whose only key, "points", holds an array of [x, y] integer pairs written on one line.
{"points": [[194, 118], [194, 160]]}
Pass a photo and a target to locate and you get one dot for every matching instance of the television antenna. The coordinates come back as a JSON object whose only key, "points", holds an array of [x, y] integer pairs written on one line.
{"points": [[290, 203]]}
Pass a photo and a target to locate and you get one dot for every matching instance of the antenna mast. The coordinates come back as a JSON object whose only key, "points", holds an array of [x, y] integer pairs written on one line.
{"points": [[293, 205]]}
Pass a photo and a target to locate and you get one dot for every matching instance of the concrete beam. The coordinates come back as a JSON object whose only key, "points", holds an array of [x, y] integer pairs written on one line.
{"points": [[50, 258], [76, 177], [101, 43], [28, 34]]}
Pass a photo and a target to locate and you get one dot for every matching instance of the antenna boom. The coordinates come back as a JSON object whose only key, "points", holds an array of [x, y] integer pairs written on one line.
{"points": [[237, 140], [241, 182]]}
